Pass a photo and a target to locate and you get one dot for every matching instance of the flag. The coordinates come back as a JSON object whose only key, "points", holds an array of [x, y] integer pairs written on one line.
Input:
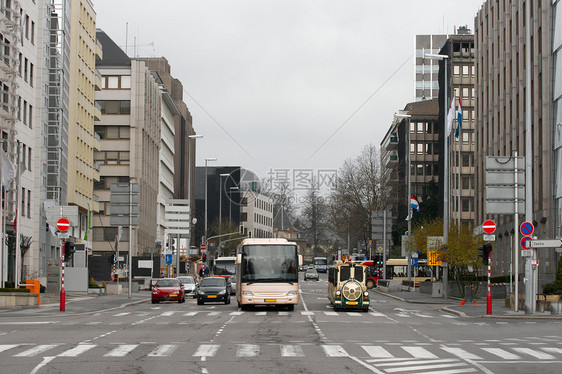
{"points": [[8, 169], [88, 224], [414, 203], [459, 120], [450, 117]]}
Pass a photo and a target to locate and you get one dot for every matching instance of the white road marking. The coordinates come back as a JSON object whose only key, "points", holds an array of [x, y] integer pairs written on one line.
{"points": [[419, 352], [502, 353], [121, 351], [436, 366], [377, 314], [552, 350], [261, 313], [354, 314], [167, 314], [164, 350], [5, 347], [190, 314], [236, 313], [461, 353], [334, 351], [331, 313], [291, 351], [206, 350], [248, 350], [376, 351], [307, 313], [79, 349], [45, 361], [534, 353], [36, 350], [121, 314]]}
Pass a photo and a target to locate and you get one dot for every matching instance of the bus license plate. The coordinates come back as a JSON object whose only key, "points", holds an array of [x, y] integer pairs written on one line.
{"points": [[352, 303], [270, 300], [212, 296]]}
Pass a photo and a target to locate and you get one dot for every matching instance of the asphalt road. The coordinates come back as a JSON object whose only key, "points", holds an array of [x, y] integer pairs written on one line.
{"points": [[394, 337]]}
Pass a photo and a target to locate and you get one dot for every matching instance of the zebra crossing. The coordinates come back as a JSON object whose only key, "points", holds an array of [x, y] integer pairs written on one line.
{"points": [[328, 313], [388, 356]]}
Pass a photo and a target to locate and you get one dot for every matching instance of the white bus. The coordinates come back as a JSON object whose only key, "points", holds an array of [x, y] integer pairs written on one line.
{"points": [[267, 273], [320, 264], [224, 266]]}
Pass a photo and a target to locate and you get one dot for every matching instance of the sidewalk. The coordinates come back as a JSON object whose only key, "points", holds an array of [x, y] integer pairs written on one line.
{"points": [[479, 310], [77, 304]]}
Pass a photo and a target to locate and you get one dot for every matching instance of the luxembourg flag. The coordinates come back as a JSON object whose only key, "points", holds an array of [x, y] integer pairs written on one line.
{"points": [[459, 120], [414, 203]]}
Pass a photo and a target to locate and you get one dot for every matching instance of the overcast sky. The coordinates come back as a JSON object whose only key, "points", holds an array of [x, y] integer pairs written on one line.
{"points": [[269, 81]]}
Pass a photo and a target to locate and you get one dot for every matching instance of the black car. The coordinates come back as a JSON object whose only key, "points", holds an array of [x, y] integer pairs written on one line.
{"points": [[213, 289]]}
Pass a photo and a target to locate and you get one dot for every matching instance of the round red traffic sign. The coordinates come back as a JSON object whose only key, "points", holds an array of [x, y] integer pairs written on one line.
{"points": [[203, 247], [525, 242], [489, 226], [63, 224], [527, 228]]}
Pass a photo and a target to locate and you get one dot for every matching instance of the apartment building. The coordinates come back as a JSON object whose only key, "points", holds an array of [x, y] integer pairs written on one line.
{"points": [[130, 133], [502, 109]]}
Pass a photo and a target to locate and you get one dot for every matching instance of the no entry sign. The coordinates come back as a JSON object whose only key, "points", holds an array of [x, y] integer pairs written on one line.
{"points": [[489, 226], [63, 224]]}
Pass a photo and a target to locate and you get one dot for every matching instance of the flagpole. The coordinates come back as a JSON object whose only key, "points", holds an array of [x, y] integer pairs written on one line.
{"points": [[17, 219], [2, 239]]}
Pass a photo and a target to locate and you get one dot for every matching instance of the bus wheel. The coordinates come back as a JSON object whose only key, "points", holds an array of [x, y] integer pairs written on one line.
{"points": [[370, 284]]}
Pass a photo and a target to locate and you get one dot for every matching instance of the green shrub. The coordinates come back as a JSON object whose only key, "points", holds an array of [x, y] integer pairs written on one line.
{"points": [[92, 283], [551, 289]]}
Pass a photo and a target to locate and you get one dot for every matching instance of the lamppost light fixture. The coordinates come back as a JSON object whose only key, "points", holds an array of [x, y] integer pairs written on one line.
{"points": [[434, 56], [196, 136]]}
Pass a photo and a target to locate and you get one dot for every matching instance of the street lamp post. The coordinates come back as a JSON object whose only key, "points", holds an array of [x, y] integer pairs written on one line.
{"points": [[220, 205], [194, 138], [445, 167], [230, 207], [206, 161]]}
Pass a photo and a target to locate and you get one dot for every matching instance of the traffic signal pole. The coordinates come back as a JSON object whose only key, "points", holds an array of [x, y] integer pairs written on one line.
{"points": [[489, 296], [62, 291]]}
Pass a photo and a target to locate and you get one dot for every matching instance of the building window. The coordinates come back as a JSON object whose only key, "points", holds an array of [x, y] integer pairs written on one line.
{"points": [[115, 106], [116, 82]]}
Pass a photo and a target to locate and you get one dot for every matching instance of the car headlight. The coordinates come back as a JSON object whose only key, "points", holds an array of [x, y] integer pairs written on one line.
{"points": [[291, 293], [247, 293], [338, 293], [222, 292], [366, 294], [201, 292]]}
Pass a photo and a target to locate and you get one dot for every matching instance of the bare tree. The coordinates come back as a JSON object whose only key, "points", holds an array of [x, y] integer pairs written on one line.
{"points": [[313, 222], [361, 189]]}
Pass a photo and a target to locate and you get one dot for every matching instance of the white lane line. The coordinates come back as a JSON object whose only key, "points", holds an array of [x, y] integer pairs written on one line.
{"points": [[29, 323], [261, 313], [236, 313], [376, 351], [552, 350], [377, 314], [288, 350], [502, 353], [436, 366], [121, 351], [461, 353], [121, 314], [164, 350], [190, 314], [79, 349], [45, 361], [534, 353], [334, 351], [248, 350], [331, 313], [307, 313], [419, 352], [36, 350], [167, 314], [5, 347], [206, 350], [354, 314], [408, 361]]}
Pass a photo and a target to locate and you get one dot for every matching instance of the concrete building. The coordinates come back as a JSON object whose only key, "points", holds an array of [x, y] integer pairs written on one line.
{"points": [[256, 216], [82, 111], [426, 71], [501, 109], [130, 133]]}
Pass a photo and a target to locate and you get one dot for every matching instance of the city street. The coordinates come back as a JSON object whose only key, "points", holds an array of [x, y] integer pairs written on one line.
{"points": [[394, 337]]}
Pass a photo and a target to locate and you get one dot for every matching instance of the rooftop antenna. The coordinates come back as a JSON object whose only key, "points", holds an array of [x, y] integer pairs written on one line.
{"points": [[126, 36]]}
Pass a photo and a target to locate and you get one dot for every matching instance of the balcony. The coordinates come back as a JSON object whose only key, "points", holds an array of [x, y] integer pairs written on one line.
{"points": [[390, 159]]}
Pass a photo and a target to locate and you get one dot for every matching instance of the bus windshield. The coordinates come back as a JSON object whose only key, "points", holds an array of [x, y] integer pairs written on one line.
{"points": [[269, 263], [225, 266], [320, 261]]}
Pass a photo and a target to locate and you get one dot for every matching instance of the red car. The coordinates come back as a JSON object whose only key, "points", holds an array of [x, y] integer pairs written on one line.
{"points": [[168, 289]]}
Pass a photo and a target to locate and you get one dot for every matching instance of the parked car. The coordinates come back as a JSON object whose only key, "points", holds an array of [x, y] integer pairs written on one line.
{"points": [[168, 289], [213, 289], [311, 274], [232, 280], [189, 285]]}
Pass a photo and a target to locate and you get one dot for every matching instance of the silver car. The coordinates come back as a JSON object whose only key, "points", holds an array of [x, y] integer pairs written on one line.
{"points": [[189, 285], [232, 280]]}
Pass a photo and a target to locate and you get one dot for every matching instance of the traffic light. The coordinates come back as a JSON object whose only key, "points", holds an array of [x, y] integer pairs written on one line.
{"points": [[68, 251], [112, 259], [204, 257], [484, 252]]}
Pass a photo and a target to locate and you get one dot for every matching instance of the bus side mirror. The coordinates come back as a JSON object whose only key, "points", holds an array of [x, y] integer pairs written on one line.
{"points": [[239, 258], [300, 260]]}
